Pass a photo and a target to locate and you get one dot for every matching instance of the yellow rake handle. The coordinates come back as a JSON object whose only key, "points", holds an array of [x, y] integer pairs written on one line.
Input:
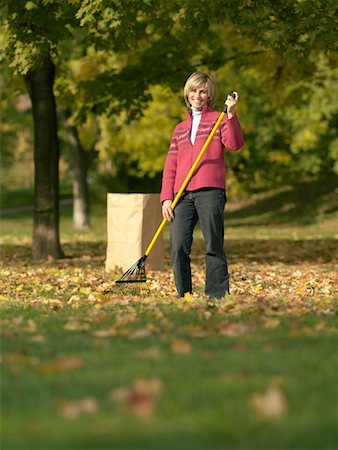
{"points": [[186, 181]]}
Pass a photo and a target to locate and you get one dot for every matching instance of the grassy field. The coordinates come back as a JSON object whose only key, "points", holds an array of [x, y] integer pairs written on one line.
{"points": [[86, 365]]}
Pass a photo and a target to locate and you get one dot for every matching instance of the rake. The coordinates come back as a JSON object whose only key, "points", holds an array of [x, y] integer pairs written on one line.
{"points": [[136, 273]]}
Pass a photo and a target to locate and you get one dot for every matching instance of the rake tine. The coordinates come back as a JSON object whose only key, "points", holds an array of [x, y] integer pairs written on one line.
{"points": [[136, 273]]}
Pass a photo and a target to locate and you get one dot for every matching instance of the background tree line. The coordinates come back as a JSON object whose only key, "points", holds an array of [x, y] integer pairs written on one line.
{"points": [[105, 79]]}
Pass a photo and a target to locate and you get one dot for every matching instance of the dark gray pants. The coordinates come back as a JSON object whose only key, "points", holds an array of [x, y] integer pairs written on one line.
{"points": [[207, 206]]}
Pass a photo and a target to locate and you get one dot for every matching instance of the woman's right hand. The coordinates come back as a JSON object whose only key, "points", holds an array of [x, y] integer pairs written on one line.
{"points": [[167, 212]]}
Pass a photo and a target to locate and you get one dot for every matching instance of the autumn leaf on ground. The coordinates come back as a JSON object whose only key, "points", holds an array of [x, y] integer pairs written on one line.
{"points": [[271, 405], [141, 405], [38, 338], [195, 331], [233, 329], [149, 353], [142, 332], [240, 347], [181, 347], [271, 323], [108, 332], [76, 325], [63, 365], [30, 327], [140, 396], [70, 409], [15, 362]]}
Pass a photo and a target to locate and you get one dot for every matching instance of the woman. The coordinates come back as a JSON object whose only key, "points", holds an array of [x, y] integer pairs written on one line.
{"points": [[204, 198]]}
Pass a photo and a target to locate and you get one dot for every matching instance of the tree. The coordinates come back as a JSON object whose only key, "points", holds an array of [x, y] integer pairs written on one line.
{"points": [[81, 160], [30, 31], [142, 43], [40, 82]]}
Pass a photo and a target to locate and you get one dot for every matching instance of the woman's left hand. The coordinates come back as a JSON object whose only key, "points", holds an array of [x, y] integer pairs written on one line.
{"points": [[231, 103]]}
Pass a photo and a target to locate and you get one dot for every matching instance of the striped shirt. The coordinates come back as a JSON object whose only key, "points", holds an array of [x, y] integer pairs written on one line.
{"points": [[211, 171]]}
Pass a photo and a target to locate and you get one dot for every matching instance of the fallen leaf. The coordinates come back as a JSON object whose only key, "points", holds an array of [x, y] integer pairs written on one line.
{"points": [[139, 397], [38, 338], [195, 331], [74, 409], [181, 347], [271, 405], [76, 325], [141, 333], [108, 332], [233, 329], [74, 299], [63, 365], [149, 386], [119, 394], [240, 347], [141, 405], [151, 353], [271, 323], [30, 327]]}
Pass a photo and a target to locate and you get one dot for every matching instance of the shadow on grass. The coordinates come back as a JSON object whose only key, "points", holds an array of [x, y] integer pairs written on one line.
{"points": [[286, 251], [300, 204]]}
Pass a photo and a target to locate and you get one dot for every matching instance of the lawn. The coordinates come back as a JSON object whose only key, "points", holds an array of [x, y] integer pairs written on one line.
{"points": [[87, 365]]}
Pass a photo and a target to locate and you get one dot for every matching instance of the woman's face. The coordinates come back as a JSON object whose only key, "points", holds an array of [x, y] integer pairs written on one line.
{"points": [[198, 97]]}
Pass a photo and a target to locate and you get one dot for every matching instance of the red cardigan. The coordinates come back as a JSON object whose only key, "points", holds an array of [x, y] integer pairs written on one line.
{"points": [[211, 171]]}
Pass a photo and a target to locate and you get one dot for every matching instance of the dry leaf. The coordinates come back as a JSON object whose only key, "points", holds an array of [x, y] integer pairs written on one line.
{"points": [[140, 396], [104, 333], [30, 327], [195, 331], [240, 347], [151, 353], [75, 409], [119, 394], [76, 325], [233, 329], [271, 405], [181, 347], [63, 365], [74, 299], [148, 386], [141, 333], [141, 405], [38, 338], [272, 323]]}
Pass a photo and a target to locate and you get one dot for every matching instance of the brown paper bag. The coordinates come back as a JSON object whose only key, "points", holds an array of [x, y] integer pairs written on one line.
{"points": [[132, 220]]}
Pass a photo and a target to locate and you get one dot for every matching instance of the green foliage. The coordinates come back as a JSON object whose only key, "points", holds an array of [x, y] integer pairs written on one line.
{"points": [[292, 28], [121, 67], [143, 142], [30, 28]]}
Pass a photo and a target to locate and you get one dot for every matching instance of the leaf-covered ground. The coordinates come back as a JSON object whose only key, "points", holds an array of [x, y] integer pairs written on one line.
{"points": [[87, 365], [294, 277]]}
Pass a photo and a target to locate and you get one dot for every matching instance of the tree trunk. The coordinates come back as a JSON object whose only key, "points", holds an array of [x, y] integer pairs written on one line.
{"points": [[80, 189], [46, 242], [81, 161]]}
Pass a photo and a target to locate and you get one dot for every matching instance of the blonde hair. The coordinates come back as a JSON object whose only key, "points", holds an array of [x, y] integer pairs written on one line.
{"points": [[197, 79]]}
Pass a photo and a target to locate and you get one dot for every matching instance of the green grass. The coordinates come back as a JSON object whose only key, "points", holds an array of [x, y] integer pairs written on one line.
{"points": [[205, 398], [277, 330], [25, 197], [302, 212]]}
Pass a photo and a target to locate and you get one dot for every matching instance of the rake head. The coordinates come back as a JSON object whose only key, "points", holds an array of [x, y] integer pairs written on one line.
{"points": [[136, 273]]}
